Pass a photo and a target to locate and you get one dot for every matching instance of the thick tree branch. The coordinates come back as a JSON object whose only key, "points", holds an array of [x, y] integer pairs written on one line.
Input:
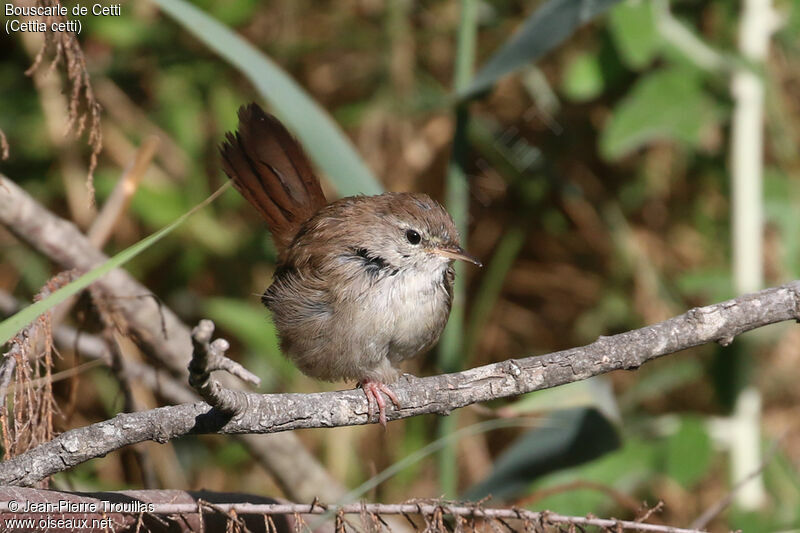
{"points": [[158, 332], [64, 243], [437, 394]]}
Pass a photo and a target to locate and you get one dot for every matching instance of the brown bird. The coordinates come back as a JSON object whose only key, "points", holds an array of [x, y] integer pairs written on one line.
{"points": [[362, 283]]}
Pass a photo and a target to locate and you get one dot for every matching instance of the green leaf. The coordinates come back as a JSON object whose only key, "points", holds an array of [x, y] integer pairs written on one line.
{"points": [[543, 30], [233, 13], [633, 29], [688, 453], [583, 78], [567, 438], [665, 105], [327, 145], [612, 311], [13, 324], [157, 205], [625, 470], [177, 89], [233, 454]]}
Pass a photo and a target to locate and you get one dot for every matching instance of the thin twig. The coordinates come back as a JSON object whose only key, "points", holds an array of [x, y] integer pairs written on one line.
{"points": [[621, 499], [63, 243], [433, 511], [695, 49], [209, 356], [120, 197]]}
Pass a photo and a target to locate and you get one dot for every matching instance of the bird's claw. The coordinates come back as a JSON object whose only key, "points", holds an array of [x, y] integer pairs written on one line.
{"points": [[373, 390]]}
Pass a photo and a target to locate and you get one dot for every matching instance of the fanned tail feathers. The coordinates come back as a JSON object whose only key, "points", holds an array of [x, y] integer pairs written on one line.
{"points": [[269, 168]]}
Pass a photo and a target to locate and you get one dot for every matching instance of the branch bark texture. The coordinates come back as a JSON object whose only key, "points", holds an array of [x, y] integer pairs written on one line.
{"points": [[159, 332], [441, 394], [63, 242]]}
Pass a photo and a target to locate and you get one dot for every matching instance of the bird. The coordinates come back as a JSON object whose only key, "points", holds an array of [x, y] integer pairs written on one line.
{"points": [[361, 283]]}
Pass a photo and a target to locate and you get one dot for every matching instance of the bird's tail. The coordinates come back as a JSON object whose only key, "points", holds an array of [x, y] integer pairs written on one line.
{"points": [[269, 168]]}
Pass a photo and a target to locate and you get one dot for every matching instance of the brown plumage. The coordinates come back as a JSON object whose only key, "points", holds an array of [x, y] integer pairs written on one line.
{"points": [[270, 169], [362, 283]]}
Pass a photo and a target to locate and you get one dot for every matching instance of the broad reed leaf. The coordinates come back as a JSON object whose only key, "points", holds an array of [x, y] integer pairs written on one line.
{"points": [[322, 138], [544, 29]]}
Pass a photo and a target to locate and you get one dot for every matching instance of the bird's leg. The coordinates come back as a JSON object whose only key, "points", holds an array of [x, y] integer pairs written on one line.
{"points": [[373, 391]]}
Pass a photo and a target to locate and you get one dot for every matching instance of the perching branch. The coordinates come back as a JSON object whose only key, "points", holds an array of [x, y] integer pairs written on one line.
{"points": [[441, 394], [159, 333]]}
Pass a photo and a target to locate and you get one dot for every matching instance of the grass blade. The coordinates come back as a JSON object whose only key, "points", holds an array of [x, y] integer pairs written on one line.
{"points": [[492, 285], [451, 344], [327, 145], [10, 326]]}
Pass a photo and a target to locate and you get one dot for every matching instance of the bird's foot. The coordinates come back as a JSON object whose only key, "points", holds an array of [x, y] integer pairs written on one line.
{"points": [[373, 390]]}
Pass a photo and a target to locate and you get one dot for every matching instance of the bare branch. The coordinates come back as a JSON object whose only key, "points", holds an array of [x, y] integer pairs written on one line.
{"points": [[209, 356], [118, 201], [123, 507], [95, 348], [272, 413], [283, 455], [129, 510], [62, 242]]}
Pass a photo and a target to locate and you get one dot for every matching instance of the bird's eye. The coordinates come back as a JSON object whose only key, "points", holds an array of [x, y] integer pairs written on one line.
{"points": [[412, 236]]}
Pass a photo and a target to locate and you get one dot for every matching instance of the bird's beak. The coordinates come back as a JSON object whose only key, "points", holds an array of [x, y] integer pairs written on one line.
{"points": [[456, 252]]}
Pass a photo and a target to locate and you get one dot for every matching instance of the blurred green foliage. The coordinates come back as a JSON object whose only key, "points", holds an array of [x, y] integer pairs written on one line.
{"points": [[598, 199], [666, 105]]}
